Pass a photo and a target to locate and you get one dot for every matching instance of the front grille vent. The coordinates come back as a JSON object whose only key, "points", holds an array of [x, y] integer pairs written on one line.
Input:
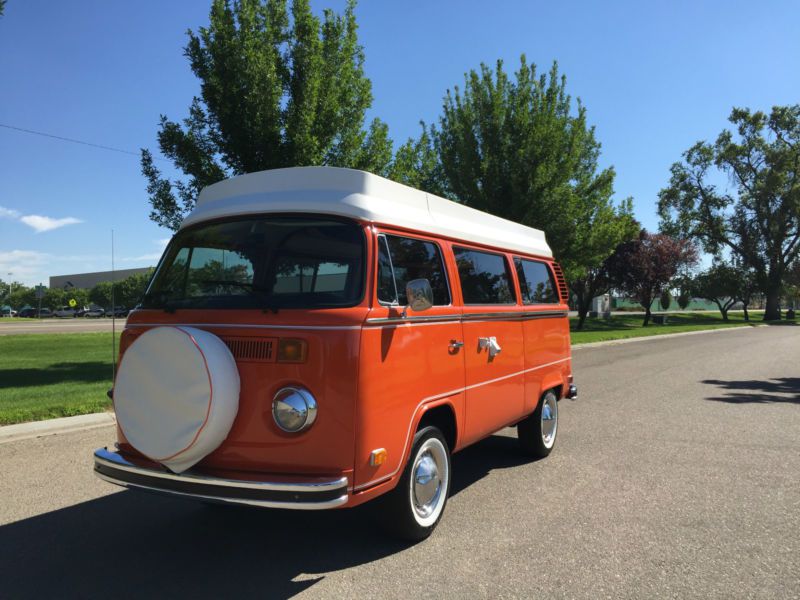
{"points": [[563, 291], [252, 349]]}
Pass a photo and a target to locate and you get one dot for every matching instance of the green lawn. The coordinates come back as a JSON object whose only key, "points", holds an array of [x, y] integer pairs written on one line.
{"points": [[58, 375], [628, 326]]}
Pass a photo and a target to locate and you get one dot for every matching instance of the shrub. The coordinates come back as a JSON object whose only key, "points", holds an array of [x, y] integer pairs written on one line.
{"points": [[666, 299]]}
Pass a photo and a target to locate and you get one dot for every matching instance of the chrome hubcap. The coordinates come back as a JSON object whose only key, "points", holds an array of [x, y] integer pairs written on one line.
{"points": [[426, 482], [429, 481], [549, 420]]}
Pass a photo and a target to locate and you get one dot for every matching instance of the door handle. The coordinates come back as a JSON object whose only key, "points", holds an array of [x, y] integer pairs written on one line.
{"points": [[490, 343], [456, 344]]}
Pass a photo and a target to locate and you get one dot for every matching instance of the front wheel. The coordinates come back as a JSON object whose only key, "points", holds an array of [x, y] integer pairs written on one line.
{"points": [[413, 509], [537, 433]]}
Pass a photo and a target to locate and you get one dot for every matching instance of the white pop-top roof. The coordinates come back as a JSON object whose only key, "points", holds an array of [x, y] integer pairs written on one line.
{"points": [[363, 196]]}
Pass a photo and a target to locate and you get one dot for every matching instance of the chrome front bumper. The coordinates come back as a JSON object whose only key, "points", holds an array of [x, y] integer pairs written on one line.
{"points": [[315, 495]]}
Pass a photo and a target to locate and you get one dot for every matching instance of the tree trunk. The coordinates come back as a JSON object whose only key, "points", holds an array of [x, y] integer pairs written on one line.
{"points": [[772, 312], [584, 304], [723, 309], [646, 316], [746, 315]]}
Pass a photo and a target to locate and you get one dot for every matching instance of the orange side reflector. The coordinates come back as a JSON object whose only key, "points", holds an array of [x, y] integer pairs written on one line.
{"points": [[378, 457], [292, 350]]}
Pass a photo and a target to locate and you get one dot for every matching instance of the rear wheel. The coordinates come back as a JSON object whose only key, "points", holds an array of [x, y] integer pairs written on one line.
{"points": [[412, 510], [537, 433]]}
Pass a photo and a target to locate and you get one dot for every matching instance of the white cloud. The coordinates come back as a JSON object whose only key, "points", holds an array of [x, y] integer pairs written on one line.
{"points": [[26, 266], [37, 222], [8, 213], [41, 224], [31, 267]]}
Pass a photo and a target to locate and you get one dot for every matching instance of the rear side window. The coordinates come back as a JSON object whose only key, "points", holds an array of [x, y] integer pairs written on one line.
{"points": [[485, 277], [401, 259], [535, 282]]}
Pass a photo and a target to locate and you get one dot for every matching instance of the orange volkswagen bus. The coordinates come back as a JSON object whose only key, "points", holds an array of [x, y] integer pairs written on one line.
{"points": [[316, 338]]}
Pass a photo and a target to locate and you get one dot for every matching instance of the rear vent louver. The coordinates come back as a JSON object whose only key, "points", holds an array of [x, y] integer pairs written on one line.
{"points": [[252, 349], [563, 291]]}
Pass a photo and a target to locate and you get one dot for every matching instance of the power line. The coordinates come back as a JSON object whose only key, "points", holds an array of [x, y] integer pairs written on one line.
{"points": [[74, 141]]}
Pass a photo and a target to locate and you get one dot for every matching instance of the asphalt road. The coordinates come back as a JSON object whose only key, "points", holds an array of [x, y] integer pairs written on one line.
{"points": [[14, 327], [676, 475]]}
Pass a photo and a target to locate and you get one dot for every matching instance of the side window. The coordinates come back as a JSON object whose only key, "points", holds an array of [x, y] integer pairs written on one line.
{"points": [[535, 282], [485, 278], [401, 259]]}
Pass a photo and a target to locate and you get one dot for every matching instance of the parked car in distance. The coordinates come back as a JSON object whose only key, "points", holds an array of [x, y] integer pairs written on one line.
{"points": [[7, 311], [43, 313], [93, 312], [65, 312], [119, 312]]}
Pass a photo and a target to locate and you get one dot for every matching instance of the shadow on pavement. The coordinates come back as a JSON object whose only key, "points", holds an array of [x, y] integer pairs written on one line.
{"points": [[138, 545], [782, 390]]}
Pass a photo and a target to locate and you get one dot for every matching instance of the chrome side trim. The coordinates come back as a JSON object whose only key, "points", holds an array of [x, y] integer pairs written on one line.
{"points": [[493, 316], [246, 326], [412, 319], [503, 316]]}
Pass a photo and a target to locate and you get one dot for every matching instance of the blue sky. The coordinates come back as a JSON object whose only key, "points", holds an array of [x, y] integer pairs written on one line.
{"points": [[655, 78]]}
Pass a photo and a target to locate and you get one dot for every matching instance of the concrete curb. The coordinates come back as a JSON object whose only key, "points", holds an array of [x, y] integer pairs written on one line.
{"points": [[24, 431], [650, 338]]}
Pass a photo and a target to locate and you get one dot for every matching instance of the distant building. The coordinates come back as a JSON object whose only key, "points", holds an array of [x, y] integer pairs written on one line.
{"points": [[89, 280]]}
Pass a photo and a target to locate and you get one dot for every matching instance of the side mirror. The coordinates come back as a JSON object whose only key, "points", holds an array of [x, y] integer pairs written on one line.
{"points": [[419, 294]]}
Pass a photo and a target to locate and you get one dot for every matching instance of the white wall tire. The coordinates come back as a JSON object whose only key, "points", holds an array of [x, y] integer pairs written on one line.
{"points": [[414, 508], [537, 433]]}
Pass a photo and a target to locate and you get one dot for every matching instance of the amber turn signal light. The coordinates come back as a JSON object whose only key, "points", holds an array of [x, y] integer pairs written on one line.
{"points": [[378, 457], [292, 350]]}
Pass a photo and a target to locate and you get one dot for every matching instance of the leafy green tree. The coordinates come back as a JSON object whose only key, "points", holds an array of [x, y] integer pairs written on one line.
{"points": [[128, 291], [100, 294], [593, 282], [643, 268], [520, 149], [720, 285], [416, 163], [276, 90], [2, 7], [21, 295], [758, 221]]}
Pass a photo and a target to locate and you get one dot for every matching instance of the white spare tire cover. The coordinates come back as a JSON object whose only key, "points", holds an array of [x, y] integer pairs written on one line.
{"points": [[176, 395]]}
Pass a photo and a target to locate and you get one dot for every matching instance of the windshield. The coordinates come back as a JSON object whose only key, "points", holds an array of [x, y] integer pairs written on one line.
{"points": [[262, 262]]}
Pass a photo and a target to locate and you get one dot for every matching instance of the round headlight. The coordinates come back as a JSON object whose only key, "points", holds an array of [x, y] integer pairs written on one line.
{"points": [[294, 409]]}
